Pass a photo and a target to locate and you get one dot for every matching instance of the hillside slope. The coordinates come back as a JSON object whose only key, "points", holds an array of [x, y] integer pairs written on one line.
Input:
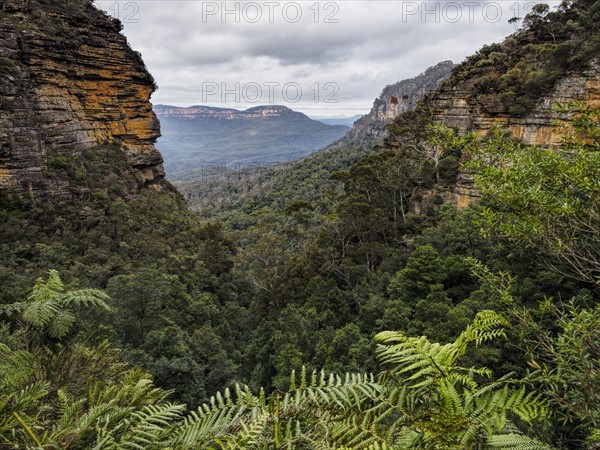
{"points": [[82, 192]]}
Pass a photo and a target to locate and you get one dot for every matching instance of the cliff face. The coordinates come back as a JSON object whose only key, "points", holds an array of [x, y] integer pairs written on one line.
{"points": [[69, 80], [456, 106], [553, 58], [398, 98]]}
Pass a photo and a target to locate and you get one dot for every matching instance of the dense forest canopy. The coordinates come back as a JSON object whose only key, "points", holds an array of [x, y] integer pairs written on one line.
{"points": [[374, 315]]}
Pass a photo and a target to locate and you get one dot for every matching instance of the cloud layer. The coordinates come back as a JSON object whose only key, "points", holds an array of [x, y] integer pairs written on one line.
{"points": [[319, 57]]}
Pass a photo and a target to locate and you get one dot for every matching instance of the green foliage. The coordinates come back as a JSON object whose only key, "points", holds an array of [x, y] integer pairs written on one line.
{"points": [[50, 310], [311, 263], [354, 411], [423, 269], [565, 360], [445, 403], [307, 285], [511, 441], [176, 275], [560, 340], [513, 76], [423, 400], [545, 198]]}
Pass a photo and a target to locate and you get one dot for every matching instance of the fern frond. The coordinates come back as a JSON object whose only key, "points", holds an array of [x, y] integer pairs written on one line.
{"points": [[89, 298], [149, 426], [515, 442], [218, 419]]}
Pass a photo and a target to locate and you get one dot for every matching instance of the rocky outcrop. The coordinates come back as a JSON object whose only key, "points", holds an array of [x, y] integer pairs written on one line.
{"points": [[69, 80], [456, 106], [397, 98]]}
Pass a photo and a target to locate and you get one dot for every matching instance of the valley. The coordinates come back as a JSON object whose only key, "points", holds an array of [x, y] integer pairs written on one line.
{"points": [[426, 279]]}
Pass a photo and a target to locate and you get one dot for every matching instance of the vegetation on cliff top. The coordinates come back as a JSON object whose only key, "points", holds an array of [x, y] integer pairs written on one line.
{"points": [[513, 76]]}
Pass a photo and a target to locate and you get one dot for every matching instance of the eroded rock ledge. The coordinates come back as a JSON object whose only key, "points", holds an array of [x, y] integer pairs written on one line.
{"points": [[455, 106], [69, 80]]}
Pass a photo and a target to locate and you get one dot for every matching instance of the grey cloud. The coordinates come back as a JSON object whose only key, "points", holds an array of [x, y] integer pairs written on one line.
{"points": [[374, 44]]}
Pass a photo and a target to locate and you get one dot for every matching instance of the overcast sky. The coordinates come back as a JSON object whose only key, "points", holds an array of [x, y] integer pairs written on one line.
{"points": [[322, 58]]}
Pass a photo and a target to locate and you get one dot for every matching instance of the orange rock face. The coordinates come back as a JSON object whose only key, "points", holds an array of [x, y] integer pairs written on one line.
{"points": [[69, 80], [455, 107]]}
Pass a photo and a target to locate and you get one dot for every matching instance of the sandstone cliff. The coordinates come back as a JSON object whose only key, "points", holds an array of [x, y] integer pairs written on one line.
{"points": [[554, 58], [456, 107], [397, 98], [69, 80]]}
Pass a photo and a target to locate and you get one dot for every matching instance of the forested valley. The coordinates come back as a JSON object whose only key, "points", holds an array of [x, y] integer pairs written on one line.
{"points": [[347, 304]]}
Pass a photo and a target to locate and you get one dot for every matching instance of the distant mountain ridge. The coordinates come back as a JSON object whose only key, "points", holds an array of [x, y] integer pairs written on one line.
{"points": [[197, 139], [347, 121], [256, 112]]}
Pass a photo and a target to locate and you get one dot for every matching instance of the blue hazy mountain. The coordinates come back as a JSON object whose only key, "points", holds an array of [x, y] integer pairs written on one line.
{"points": [[198, 138], [346, 121]]}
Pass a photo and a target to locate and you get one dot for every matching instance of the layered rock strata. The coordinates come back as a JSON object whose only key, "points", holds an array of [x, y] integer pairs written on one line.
{"points": [[69, 80], [455, 106]]}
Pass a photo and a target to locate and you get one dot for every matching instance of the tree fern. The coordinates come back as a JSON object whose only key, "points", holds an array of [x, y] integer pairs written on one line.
{"points": [[423, 399], [452, 406], [16, 407], [216, 420], [304, 414], [50, 310], [515, 442]]}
